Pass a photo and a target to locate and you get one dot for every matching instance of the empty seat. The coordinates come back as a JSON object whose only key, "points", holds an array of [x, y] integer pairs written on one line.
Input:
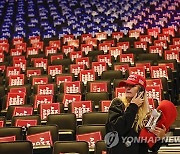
{"points": [[16, 147], [80, 147], [100, 147]]}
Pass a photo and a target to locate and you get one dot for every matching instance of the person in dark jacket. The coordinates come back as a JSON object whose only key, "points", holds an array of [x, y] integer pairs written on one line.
{"points": [[127, 116]]}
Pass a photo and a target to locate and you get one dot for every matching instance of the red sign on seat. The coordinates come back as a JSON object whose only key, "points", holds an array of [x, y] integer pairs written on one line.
{"points": [[73, 87], [16, 80], [86, 48], [156, 49], [87, 75], [54, 70], [11, 70], [123, 45], [172, 54], [91, 138], [69, 98], [137, 70], [42, 99], [50, 50], [99, 67], [16, 52], [66, 49], [98, 86], [7, 139], [159, 71], [154, 92], [40, 139], [39, 80], [119, 92], [105, 104], [47, 109], [45, 89], [127, 58], [25, 122], [23, 111], [64, 78], [80, 107], [55, 43]]}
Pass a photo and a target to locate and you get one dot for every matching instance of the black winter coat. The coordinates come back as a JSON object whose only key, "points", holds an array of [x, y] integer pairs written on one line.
{"points": [[122, 120]]}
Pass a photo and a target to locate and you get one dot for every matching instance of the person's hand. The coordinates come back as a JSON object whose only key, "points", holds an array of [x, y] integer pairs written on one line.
{"points": [[160, 132], [137, 99]]}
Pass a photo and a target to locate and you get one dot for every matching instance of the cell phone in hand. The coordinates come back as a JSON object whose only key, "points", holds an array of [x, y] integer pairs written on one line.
{"points": [[141, 89]]}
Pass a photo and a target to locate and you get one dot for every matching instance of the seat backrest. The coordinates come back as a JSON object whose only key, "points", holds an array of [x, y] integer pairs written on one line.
{"points": [[94, 118], [11, 131], [83, 129], [63, 120], [16, 147], [100, 147], [80, 147]]}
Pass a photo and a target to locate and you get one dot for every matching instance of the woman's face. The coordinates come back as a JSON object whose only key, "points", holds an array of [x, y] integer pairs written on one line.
{"points": [[131, 90]]}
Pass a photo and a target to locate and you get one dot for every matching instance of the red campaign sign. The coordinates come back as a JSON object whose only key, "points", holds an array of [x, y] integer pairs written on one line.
{"points": [[154, 82], [50, 50], [101, 36], [47, 109], [83, 61], [45, 89], [134, 33], [168, 31], [98, 87], [159, 71], [69, 98], [87, 75], [151, 103], [3, 41], [54, 57], [64, 78], [54, 70], [42, 99], [67, 49], [91, 138], [115, 51], [73, 87], [105, 105], [80, 107], [127, 58], [74, 43], [1, 123], [55, 43], [15, 99], [84, 37], [17, 41], [112, 42], [20, 63], [38, 45], [2, 68], [99, 67], [25, 123], [146, 66], [156, 49], [4, 47], [86, 48], [41, 63], [1, 58], [119, 92], [16, 80], [162, 43], [176, 41], [92, 41], [35, 72], [7, 139], [75, 54], [105, 58], [15, 52], [123, 45], [174, 47], [165, 37], [154, 92], [121, 67], [104, 46], [137, 70], [19, 58], [168, 65], [140, 44], [67, 38], [34, 39], [172, 54], [22, 111], [117, 35], [11, 70], [18, 90], [153, 32], [146, 38], [40, 139], [21, 46], [32, 51]]}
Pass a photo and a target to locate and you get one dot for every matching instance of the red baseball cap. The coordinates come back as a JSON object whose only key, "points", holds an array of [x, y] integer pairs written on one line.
{"points": [[134, 79]]}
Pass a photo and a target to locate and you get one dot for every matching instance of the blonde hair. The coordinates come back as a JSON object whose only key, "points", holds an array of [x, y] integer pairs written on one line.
{"points": [[141, 114]]}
